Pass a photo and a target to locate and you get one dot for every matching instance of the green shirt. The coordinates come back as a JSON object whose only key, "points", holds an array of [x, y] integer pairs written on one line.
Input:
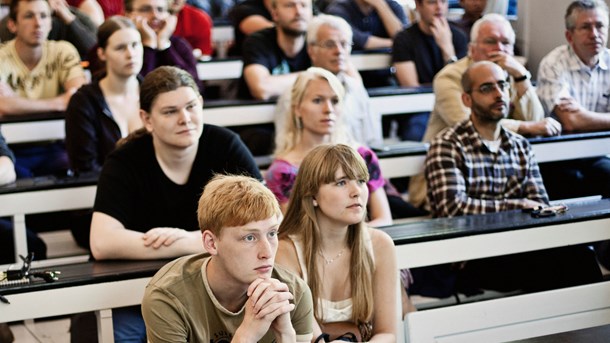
{"points": [[179, 306]]}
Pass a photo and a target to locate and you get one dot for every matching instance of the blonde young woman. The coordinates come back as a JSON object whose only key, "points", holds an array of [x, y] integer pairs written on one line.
{"points": [[350, 268], [315, 119]]}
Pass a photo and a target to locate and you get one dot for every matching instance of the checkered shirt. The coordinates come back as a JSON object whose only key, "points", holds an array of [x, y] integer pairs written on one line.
{"points": [[464, 177]]}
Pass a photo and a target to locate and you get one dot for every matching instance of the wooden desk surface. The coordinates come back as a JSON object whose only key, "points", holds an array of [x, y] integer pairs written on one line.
{"points": [[41, 195], [49, 182], [445, 228], [386, 100], [463, 238], [90, 286], [517, 317], [92, 272]]}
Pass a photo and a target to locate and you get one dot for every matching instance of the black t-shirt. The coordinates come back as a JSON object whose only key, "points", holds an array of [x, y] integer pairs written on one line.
{"points": [[134, 190], [262, 48], [241, 11], [412, 44]]}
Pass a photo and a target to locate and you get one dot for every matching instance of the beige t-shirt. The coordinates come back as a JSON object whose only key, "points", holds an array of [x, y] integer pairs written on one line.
{"points": [[59, 63], [179, 306]]}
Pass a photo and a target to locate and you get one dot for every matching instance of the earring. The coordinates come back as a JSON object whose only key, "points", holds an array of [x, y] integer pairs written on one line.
{"points": [[299, 123], [315, 203]]}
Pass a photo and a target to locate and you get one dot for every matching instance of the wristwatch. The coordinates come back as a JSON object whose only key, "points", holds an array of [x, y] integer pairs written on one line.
{"points": [[452, 59], [522, 78]]}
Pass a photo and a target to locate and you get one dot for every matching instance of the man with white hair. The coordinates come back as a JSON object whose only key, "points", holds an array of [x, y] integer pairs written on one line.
{"points": [[492, 39], [329, 44]]}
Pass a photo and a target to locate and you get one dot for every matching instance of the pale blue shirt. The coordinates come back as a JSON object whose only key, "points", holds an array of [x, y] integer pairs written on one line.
{"points": [[562, 73]]}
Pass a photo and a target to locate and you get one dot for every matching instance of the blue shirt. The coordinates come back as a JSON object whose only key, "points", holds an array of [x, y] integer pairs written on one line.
{"points": [[364, 26]]}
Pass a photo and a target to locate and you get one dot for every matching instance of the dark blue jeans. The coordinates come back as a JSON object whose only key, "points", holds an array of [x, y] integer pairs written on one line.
{"points": [[7, 248], [128, 325], [36, 160], [577, 178], [411, 127]]}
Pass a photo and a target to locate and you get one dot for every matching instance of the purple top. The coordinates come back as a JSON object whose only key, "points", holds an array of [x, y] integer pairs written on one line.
{"points": [[281, 175], [179, 54]]}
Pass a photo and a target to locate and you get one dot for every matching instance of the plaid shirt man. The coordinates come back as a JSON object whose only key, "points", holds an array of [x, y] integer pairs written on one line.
{"points": [[465, 177]]}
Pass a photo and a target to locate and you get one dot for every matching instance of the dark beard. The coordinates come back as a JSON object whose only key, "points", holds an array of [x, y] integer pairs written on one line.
{"points": [[487, 114], [292, 33]]}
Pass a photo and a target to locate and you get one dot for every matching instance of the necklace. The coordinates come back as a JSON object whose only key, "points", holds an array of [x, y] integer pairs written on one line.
{"points": [[328, 261]]}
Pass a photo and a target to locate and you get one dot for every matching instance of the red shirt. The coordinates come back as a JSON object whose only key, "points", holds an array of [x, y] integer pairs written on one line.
{"points": [[195, 26], [109, 7]]}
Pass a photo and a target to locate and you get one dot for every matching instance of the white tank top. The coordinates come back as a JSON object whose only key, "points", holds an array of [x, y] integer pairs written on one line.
{"points": [[331, 311]]}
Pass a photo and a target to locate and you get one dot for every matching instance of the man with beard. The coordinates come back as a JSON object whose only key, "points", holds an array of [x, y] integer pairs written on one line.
{"points": [[478, 166], [273, 55], [492, 40]]}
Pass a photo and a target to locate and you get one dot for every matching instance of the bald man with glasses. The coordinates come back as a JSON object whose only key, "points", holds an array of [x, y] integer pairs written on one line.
{"points": [[492, 39], [478, 167]]}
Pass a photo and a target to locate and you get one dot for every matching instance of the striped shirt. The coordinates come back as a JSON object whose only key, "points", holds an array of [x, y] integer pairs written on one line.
{"points": [[562, 73], [464, 177]]}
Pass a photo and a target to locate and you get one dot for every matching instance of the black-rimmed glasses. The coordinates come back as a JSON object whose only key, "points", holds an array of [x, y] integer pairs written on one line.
{"points": [[488, 87]]}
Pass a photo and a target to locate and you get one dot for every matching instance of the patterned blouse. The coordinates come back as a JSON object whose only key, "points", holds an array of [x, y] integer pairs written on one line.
{"points": [[281, 175]]}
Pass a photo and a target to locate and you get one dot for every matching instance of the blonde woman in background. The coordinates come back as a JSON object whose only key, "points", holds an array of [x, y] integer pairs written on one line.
{"points": [[315, 119]]}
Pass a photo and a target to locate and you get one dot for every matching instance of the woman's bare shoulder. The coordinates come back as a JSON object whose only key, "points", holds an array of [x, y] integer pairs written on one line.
{"points": [[286, 256]]}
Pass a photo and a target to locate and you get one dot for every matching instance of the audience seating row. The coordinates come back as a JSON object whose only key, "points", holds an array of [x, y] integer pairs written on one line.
{"points": [[227, 69], [386, 100], [29, 196], [117, 284], [41, 195], [407, 159]]}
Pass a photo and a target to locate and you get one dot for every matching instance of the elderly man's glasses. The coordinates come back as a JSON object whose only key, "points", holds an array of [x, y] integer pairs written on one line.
{"points": [[331, 44], [495, 42], [489, 87]]}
